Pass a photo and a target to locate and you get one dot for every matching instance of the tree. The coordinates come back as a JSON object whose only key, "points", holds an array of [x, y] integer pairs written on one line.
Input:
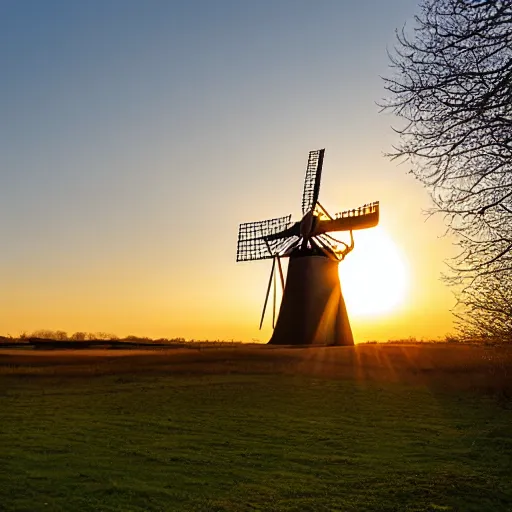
{"points": [[487, 312], [452, 88], [48, 334], [78, 336]]}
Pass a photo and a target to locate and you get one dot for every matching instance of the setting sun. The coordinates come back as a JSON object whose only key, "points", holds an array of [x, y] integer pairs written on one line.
{"points": [[374, 277]]}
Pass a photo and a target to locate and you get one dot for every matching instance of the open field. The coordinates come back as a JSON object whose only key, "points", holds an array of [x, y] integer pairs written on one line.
{"points": [[374, 427]]}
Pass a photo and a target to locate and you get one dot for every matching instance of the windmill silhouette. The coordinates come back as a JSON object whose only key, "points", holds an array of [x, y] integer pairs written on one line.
{"points": [[312, 309]]}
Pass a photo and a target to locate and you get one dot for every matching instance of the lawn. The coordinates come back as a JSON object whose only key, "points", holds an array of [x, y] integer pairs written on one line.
{"points": [[242, 441]]}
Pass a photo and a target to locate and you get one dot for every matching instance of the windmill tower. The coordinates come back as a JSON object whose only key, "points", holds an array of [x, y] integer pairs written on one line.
{"points": [[312, 309]]}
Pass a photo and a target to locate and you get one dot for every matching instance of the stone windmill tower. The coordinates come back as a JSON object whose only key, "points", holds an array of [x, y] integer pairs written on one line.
{"points": [[312, 309]]}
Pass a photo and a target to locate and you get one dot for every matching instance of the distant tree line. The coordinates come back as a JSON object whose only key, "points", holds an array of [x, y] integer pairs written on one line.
{"points": [[452, 89], [47, 334], [51, 335]]}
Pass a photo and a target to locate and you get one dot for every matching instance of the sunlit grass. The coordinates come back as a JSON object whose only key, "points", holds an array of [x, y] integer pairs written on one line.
{"points": [[237, 442]]}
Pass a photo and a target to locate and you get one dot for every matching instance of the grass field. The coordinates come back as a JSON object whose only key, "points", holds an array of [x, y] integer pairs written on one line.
{"points": [[351, 429]]}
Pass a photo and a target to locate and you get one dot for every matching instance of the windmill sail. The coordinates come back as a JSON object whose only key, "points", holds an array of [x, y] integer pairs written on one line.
{"points": [[312, 180], [364, 217], [260, 240]]}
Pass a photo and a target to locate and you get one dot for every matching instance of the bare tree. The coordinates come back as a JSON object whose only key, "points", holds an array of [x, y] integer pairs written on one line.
{"points": [[452, 87], [47, 334], [487, 308], [78, 336]]}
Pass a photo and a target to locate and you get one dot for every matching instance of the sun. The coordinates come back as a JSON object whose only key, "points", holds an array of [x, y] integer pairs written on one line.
{"points": [[374, 277]]}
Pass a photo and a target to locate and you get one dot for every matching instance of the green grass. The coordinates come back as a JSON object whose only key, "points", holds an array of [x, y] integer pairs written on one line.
{"points": [[248, 442]]}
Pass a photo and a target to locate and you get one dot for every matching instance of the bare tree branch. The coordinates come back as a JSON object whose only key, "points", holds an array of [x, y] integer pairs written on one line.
{"points": [[451, 85]]}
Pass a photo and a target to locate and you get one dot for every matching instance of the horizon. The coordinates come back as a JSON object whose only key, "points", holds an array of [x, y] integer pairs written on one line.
{"points": [[76, 337]]}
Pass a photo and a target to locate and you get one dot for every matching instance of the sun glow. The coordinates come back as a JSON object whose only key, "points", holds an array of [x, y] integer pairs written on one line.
{"points": [[374, 277]]}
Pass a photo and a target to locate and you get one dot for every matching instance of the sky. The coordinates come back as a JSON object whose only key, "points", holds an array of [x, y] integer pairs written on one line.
{"points": [[138, 135]]}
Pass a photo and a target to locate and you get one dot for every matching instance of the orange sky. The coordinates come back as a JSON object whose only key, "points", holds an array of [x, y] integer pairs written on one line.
{"points": [[138, 139]]}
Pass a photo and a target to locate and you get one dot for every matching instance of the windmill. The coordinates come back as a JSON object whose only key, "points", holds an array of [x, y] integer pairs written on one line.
{"points": [[312, 308]]}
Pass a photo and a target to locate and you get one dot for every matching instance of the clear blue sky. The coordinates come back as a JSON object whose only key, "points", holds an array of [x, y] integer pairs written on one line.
{"points": [[137, 135]]}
